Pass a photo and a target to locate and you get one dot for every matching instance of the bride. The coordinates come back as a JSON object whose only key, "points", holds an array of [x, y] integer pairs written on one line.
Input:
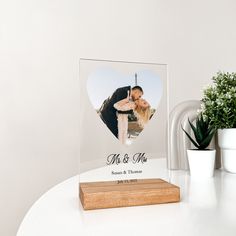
{"points": [[141, 109]]}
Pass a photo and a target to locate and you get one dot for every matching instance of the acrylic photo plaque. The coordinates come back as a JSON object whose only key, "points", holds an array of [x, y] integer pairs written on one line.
{"points": [[123, 120]]}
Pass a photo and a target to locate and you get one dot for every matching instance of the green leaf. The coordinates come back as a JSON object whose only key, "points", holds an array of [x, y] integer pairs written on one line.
{"points": [[200, 131], [205, 143], [194, 143], [197, 137]]}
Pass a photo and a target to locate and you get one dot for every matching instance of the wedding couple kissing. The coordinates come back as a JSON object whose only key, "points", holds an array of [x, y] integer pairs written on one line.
{"points": [[124, 101]]}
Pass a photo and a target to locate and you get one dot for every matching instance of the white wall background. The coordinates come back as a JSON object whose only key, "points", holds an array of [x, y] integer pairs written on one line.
{"points": [[40, 44]]}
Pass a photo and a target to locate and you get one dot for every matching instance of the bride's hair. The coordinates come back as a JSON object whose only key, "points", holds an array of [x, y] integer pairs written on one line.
{"points": [[143, 114]]}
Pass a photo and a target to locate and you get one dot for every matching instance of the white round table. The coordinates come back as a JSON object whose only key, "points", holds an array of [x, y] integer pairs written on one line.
{"points": [[207, 207]]}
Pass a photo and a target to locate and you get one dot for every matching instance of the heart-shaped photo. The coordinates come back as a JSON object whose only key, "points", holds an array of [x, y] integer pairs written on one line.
{"points": [[125, 102]]}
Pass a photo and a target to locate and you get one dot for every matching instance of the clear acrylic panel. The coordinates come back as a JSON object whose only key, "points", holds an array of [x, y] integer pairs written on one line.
{"points": [[123, 120]]}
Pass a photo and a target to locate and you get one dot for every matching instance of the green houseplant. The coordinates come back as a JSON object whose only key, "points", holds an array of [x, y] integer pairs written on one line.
{"points": [[219, 101], [219, 106], [203, 133], [201, 160]]}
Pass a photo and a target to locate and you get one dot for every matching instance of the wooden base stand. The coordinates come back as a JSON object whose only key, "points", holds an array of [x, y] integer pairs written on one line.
{"points": [[97, 195]]}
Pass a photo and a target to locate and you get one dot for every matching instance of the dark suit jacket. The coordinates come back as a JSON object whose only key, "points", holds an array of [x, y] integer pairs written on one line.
{"points": [[108, 112]]}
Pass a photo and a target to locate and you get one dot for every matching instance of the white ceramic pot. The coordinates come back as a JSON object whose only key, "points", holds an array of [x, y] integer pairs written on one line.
{"points": [[201, 163], [227, 143]]}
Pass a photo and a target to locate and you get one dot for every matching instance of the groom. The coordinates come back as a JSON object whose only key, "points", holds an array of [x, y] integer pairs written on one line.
{"points": [[108, 112]]}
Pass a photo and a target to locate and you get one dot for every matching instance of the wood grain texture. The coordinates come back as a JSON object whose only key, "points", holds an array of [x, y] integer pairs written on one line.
{"points": [[98, 195]]}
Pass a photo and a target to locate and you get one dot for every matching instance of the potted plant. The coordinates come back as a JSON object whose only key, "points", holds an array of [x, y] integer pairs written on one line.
{"points": [[219, 105], [201, 160]]}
